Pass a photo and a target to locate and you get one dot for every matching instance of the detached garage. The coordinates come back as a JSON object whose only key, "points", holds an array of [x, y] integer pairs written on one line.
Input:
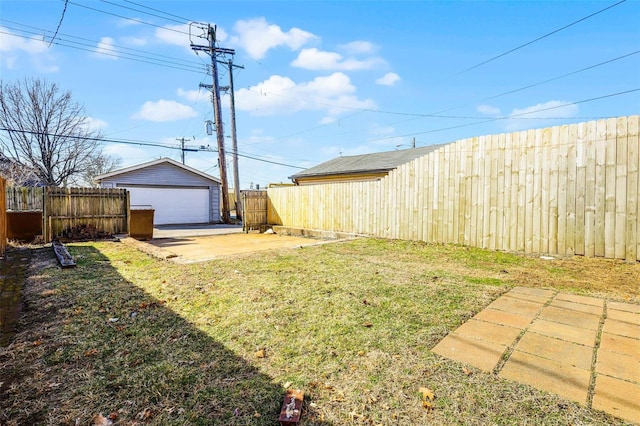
{"points": [[179, 194]]}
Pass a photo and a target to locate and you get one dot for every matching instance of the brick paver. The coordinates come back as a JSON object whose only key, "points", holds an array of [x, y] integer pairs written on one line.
{"points": [[552, 340]]}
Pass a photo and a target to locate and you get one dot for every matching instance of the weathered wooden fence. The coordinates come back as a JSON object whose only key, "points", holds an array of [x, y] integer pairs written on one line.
{"points": [[65, 208], [24, 198], [254, 209], [3, 217], [564, 190], [107, 209]]}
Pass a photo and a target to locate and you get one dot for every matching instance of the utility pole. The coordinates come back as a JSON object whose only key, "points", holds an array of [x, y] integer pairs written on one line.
{"points": [[234, 141], [213, 52], [183, 149]]}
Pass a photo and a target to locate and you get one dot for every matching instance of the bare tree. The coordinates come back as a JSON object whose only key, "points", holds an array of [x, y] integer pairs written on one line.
{"points": [[98, 165], [43, 129]]}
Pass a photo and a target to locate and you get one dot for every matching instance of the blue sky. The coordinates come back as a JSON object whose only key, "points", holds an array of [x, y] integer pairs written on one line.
{"points": [[323, 79]]}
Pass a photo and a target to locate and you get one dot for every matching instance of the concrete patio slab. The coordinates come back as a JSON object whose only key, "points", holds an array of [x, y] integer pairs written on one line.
{"points": [[618, 365], [620, 344], [630, 317], [578, 307], [533, 291], [488, 332], [585, 300], [617, 397], [622, 328], [516, 306], [627, 307], [556, 350], [482, 355], [570, 317], [552, 376], [505, 318], [571, 345], [564, 332]]}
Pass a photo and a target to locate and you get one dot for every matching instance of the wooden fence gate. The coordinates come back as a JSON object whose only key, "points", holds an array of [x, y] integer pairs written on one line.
{"points": [[254, 210]]}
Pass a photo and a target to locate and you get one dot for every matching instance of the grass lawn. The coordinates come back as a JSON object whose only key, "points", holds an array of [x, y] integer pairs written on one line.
{"points": [[146, 341]]}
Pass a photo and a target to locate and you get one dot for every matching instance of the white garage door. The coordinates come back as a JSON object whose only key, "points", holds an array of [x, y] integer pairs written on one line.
{"points": [[173, 205]]}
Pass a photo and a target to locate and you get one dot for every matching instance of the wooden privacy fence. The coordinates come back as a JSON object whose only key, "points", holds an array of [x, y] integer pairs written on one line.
{"points": [[3, 217], [564, 190], [254, 210], [24, 198], [66, 208]]}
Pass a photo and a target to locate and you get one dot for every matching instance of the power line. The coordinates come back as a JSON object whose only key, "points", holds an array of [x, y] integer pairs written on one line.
{"points": [[140, 11], [105, 51], [42, 31], [513, 116], [160, 11], [66, 3], [439, 113], [139, 21], [142, 143], [540, 38]]}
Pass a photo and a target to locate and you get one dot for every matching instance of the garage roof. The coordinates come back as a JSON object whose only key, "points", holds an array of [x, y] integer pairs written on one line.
{"points": [[367, 163], [154, 163]]}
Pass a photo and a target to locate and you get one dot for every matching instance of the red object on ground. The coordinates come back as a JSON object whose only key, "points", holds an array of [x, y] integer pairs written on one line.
{"points": [[291, 408]]}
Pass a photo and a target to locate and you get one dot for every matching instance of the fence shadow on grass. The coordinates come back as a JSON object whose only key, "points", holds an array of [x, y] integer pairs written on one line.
{"points": [[92, 343]]}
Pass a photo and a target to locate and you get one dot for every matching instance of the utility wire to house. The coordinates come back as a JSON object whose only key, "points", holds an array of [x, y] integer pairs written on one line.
{"points": [[148, 143]]}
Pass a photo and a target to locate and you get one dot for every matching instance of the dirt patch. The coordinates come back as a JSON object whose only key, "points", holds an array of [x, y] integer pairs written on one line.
{"points": [[198, 249]]}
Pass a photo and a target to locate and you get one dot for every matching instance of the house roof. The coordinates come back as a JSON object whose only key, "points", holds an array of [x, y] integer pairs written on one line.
{"points": [[367, 163], [154, 163]]}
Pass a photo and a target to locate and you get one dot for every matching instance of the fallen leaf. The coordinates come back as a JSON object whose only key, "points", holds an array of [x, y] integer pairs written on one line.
{"points": [[426, 393], [466, 371], [256, 414], [367, 324], [260, 353], [91, 352], [427, 398], [360, 353], [100, 420], [113, 415], [287, 385], [37, 343], [113, 319]]}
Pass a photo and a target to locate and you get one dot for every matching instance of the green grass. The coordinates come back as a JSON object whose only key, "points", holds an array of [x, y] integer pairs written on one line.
{"points": [[350, 323]]}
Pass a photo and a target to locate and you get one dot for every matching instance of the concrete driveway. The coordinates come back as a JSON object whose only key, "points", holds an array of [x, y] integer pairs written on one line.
{"points": [[182, 248]]}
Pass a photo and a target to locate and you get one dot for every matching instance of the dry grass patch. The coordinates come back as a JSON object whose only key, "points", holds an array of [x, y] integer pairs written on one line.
{"points": [[352, 324]]}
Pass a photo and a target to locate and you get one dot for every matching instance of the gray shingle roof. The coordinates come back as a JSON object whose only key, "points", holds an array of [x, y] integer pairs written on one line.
{"points": [[366, 163]]}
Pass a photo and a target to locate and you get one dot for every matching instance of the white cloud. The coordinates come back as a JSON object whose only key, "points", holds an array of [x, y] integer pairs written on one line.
{"points": [[91, 123], [280, 95], [488, 110], [314, 59], [358, 47], [14, 47], [106, 49], [256, 36], [389, 79], [164, 110], [520, 118]]}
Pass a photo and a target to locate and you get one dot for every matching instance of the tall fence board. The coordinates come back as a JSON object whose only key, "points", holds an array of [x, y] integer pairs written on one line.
{"points": [[563, 190], [65, 208], [24, 198], [3, 217], [254, 209]]}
